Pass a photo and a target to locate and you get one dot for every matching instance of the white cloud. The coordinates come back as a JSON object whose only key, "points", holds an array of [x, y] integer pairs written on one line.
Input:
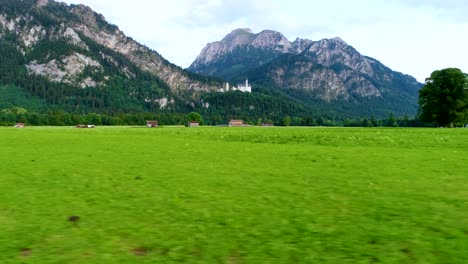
{"points": [[411, 36]]}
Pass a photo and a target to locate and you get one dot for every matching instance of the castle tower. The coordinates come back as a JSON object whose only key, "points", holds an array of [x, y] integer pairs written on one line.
{"points": [[248, 88]]}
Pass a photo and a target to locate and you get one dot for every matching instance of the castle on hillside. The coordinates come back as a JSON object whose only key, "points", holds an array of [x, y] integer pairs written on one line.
{"points": [[245, 88]]}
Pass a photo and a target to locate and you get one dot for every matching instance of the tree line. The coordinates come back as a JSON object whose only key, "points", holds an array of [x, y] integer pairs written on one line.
{"points": [[12, 116]]}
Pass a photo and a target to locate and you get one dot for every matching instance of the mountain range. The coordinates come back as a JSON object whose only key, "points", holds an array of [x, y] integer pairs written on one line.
{"points": [[328, 70], [59, 57]]}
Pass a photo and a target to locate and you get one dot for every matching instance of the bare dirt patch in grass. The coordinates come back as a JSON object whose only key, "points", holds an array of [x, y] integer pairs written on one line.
{"points": [[140, 251], [25, 252]]}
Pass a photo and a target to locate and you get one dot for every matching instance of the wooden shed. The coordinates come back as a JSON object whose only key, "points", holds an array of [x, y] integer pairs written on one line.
{"points": [[235, 122], [193, 124], [152, 123], [84, 126]]}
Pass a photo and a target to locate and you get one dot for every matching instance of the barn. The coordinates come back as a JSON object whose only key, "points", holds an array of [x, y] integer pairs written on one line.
{"points": [[152, 123], [235, 122]]}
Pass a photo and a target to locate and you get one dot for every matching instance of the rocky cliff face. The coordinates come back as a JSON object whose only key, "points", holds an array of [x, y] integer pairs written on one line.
{"points": [[43, 21], [329, 67], [292, 72], [329, 52], [142, 56]]}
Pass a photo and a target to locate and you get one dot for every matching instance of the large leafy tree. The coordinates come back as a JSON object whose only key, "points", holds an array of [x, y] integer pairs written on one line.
{"points": [[194, 116], [444, 98]]}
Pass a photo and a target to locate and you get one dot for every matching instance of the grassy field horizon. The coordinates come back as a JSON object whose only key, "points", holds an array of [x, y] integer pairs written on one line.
{"points": [[233, 195]]}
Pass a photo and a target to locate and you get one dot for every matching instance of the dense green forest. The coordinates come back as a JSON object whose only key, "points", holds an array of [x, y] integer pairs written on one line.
{"points": [[11, 116]]}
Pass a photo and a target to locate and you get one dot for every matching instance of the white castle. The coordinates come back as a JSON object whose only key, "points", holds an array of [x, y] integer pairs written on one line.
{"points": [[245, 88]]}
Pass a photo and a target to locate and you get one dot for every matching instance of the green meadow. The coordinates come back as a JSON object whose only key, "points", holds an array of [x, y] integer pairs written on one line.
{"points": [[233, 195]]}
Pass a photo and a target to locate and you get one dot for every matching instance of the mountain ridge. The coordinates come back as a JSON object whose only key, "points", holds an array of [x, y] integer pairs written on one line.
{"points": [[344, 73]]}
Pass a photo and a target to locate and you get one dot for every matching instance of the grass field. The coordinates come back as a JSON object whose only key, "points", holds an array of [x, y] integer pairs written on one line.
{"points": [[233, 195]]}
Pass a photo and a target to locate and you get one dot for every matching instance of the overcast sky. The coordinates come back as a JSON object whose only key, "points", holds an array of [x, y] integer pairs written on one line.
{"points": [[415, 37]]}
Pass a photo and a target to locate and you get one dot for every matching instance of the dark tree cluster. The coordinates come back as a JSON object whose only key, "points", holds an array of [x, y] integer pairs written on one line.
{"points": [[444, 98]]}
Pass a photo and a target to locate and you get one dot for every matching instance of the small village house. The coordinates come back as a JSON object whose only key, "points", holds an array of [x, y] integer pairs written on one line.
{"points": [[151, 123], [235, 122], [193, 124], [84, 126]]}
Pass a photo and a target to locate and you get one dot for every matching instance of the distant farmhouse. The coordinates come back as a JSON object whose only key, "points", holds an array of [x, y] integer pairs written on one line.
{"points": [[84, 126], [245, 88], [193, 124], [151, 123], [236, 123]]}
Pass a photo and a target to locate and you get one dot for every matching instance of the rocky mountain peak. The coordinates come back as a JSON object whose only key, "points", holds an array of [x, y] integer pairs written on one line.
{"points": [[238, 37], [333, 43], [339, 40], [270, 39], [242, 31], [87, 16], [331, 51], [248, 50], [244, 48]]}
